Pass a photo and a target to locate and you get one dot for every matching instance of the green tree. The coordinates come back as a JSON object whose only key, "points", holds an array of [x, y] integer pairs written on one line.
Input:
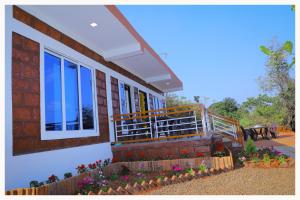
{"points": [[173, 99], [278, 80], [261, 110], [228, 107]]}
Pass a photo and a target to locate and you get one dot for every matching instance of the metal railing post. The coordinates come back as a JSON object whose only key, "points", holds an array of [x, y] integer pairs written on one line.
{"points": [[156, 128], [196, 121], [116, 132]]}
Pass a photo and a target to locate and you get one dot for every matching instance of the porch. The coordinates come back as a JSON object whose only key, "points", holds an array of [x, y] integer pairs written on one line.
{"points": [[170, 133]]}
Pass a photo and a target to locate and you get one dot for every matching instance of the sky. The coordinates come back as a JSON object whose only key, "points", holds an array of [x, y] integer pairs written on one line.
{"points": [[214, 50]]}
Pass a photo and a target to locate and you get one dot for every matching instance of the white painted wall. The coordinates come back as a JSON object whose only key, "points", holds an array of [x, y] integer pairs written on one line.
{"points": [[20, 170]]}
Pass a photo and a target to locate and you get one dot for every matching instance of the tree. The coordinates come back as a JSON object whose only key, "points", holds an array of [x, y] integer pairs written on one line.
{"points": [[228, 107], [278, 79], [175, 100], [261, 110], [197, 99]]}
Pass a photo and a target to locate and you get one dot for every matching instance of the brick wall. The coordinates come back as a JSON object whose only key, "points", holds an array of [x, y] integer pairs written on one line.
{"points": [[115, 95], [25, 92], [162, 150], [102, 106], [26, 102]]}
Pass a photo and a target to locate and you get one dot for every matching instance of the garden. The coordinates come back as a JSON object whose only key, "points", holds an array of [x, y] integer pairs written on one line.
{"points": [[267, 157]]}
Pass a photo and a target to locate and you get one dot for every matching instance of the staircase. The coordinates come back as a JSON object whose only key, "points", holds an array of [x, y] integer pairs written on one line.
{"points": [[228, 128]]}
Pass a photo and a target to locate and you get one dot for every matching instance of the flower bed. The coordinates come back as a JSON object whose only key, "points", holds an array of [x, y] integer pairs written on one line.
{"points": [[127, 177], [263, 158]]}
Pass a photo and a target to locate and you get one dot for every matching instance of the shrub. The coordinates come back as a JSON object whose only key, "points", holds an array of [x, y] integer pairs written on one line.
{"points": [[67, 175], [52, 179], [190, 171], [250, 147], [113, 177], [35, 184], [281, 160], [266, 158], [86, 185], [81, 169], [255, 159], [124, 171], [202, 168]]}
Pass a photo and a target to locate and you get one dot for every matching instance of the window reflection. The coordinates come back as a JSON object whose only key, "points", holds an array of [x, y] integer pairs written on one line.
{"points": [[71, 95], [86, 98], [53, 96]]}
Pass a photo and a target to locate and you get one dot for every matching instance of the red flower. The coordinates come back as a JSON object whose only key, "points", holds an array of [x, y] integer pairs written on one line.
{"points": [[200, 154], [129, 154], [142, 154], [184, 152], [115, 159]]}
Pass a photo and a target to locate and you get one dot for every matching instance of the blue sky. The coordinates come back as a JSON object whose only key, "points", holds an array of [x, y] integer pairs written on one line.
{"points": [[214, 50]]}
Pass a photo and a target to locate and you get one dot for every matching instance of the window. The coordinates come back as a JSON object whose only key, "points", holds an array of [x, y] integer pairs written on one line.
{"points": [[69, 105]]}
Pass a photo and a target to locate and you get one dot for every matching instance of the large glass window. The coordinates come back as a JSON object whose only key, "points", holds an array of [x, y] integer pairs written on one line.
{"points": [[69, 97], [86, 98], [53, 95]]}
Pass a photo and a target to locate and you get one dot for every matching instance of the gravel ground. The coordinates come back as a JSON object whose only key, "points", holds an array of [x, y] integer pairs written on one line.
{"points": [[249, 181]]}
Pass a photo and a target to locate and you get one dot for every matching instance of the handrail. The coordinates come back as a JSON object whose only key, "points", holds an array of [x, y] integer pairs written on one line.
{"points": [[228, 119], [157, 110]]}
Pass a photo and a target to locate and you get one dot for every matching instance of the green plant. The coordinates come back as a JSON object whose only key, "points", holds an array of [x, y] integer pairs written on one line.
{"points": [[202, 168], [255, 159], [124, 171], [281, 160], [266, 158], [219, 154], [35, 183], [105, 188], [67, 175], [160, 177], [113, 177], [190, 171], [250, 147]]}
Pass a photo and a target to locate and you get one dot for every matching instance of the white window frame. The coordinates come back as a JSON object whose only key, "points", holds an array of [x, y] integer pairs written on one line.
{"points": [[64, 134]]}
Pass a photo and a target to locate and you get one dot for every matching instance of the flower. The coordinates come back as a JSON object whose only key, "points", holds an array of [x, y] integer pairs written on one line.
{"points": [[125, 178], [86, 181], [200, 154], [142, 154], [115, 159], [176, 168], [129, 154]]}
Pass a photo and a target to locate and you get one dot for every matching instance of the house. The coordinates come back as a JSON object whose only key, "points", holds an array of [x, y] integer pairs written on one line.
{"points": [[69, 69]]}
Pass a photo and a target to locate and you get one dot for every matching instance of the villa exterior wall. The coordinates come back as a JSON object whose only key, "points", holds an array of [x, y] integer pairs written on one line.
{"points": [[28, 156]]}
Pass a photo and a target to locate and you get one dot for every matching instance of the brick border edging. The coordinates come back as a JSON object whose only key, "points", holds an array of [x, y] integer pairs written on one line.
{"points": [[69, 186], [147, 186], [261, 164]]}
